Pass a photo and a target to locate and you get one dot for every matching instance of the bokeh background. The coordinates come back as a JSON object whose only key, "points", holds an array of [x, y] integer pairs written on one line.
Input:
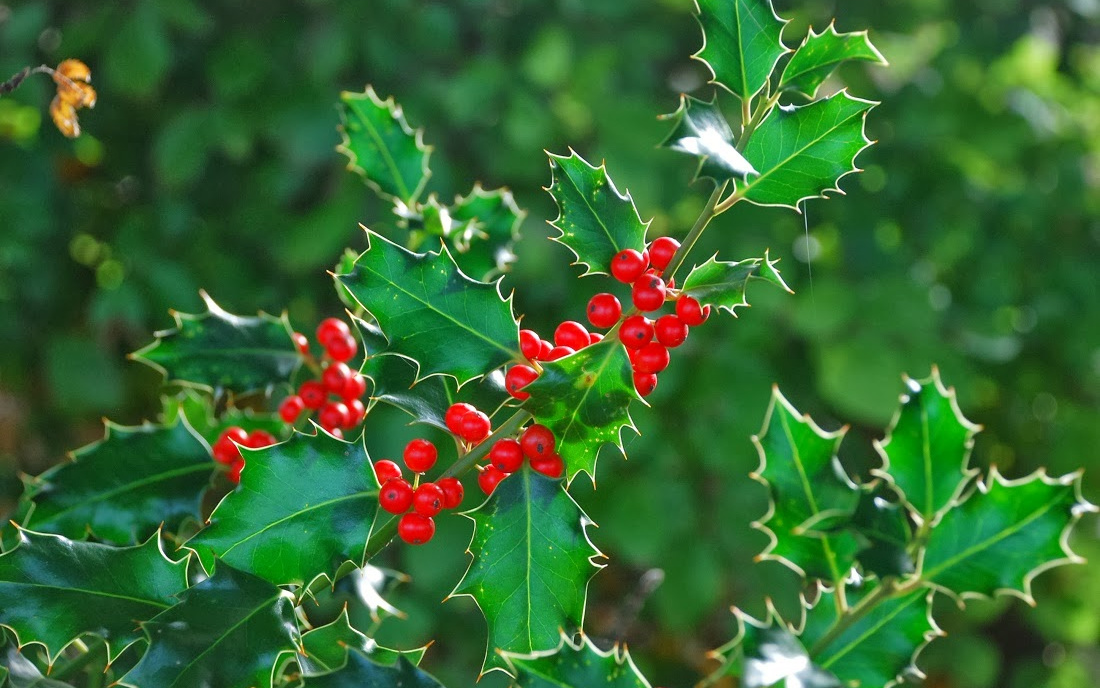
{"points": [[971, 241]]}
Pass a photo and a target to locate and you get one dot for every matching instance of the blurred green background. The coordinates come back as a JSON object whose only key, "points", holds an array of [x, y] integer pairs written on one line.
{"points": [[972, 241]]}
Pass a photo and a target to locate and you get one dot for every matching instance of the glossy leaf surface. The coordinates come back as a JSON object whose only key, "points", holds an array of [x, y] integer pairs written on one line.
{"points": [[821, 53], [802, 152], [381, 146], [584, 399], [926, 453], [361, 672], [742, 41], [768, 655], [879, 647], [576, 665], [228, 631], [303, 508], [595, 220], [218, 350], [1004, 534], [55, 589], [123, 487], [327, 647], [884, 527], [722, 283], [702, 131], [433, 314], [532, 561], [484, 228], [808, 489]]}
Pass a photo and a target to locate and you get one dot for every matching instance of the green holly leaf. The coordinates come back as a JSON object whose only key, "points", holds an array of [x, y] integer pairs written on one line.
{"points": [[24, 673], [809, 492], [884, 526], [702, 131], [393, 382], [217, 350], [381, 146], [361, 672], [198, 408], [433, 314], [802, 152], [766, 654], [228, 631], [532, 561], [327, 647], [123, 487], [1004, 534], [926, 452], [879, 647], [291, 532], [55, 589], [595, 220], [484, 229], [742, 42], [820, 54], [722, 283], [575, 665], [584, 399]]}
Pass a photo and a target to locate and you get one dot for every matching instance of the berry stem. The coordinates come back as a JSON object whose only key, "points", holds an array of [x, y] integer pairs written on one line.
{"points": [[709, 211], [385, 532]]}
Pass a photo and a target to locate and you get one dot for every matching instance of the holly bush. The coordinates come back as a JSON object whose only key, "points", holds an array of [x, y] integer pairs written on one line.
{"points": [[129, 564]]}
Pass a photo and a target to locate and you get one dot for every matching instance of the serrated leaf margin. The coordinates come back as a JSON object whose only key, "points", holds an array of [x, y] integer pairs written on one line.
{"points": [[618, 651], [831, 28]]}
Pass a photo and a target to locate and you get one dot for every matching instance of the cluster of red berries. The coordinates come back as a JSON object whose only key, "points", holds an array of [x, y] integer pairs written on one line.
{"points": [[227, 450], [426, 499], [647, 341], [536, 444], [337, 395]]}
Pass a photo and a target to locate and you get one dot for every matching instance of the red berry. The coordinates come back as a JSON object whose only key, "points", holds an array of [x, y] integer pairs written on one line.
{"points": [[335, 432], [420, 456], [604, 310], [416, 529], [689, 310], [342, 348], [386, 469], [331, 328], [559, 352], [452, 492], [651, 358], [645, 383], [335, 377], [356, 412], [545, 348], [302, 342], [476, 426], [396, 495], [571, 334], [313, 394], [636, 332], [537, 442], [648, 292], [661, 251], [225, 448], [234, 473], [453, 418], [518, 377], [551, 466], [291, 408], [628, 265], [489, 478], [333, 415], [670, 331], [355, 387], [258, 439], [428, 499], [594, 338], [506, 456], [529, 344]]}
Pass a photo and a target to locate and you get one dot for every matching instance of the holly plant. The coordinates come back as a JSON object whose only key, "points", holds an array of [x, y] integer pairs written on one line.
{"points": [[195, 551]]}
